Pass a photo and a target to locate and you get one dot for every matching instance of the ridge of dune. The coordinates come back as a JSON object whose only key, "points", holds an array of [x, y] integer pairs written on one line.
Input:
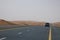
{"points": [[25, 23], [29, 23], [4, 22]]}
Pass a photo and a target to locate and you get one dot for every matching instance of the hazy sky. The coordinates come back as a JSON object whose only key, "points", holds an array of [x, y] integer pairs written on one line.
{"points": [[37, 10]]}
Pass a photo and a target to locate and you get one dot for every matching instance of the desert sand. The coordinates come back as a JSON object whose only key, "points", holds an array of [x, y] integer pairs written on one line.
{"points": [[26, 23], [4, 22], [56, 24], [33, 23], [21, 23]]}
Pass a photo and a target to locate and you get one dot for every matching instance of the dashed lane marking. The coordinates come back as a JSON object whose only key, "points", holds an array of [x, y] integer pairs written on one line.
{"points": [[3, 38]]}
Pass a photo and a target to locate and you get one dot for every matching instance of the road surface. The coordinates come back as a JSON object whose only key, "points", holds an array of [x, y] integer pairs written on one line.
{"points": [[31, 33], [55, 33], [25, 33]]}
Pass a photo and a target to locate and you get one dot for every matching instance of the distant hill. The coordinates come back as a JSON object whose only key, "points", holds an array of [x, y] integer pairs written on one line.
{"points": [[4, 22], [29, 23], [57, 24]]}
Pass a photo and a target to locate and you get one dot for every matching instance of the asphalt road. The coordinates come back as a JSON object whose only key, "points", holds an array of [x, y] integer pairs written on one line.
{"points": [[25, 33], [55, 33]]}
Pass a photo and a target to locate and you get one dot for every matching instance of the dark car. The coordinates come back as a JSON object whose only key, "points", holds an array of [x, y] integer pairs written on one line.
{"points": [[47, 24]]}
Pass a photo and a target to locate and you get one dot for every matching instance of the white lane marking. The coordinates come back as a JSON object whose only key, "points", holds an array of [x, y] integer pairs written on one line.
{"points": [[20, 33], [3, 38]]}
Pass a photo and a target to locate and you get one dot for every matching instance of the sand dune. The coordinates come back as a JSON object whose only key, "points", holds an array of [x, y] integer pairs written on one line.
{"points": [[4, 22], [26, 23], [56, 24], [29, 23], [21, 23]]}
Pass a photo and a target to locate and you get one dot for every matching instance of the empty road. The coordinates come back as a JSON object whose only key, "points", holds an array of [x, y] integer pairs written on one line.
{"points": [[31, 33], [55, 33], [25, 33]]}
